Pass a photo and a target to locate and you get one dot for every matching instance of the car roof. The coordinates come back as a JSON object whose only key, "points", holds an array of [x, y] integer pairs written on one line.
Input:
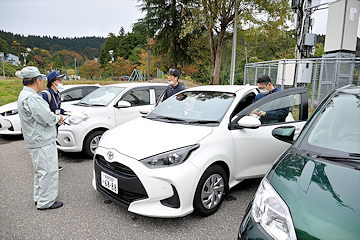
{"points": [[136, 84], [349, 89], [224, 88], [78, 85]]}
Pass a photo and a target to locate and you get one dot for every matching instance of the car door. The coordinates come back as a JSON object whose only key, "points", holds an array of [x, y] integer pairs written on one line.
{"points": [[138, 98], [256, 149]]}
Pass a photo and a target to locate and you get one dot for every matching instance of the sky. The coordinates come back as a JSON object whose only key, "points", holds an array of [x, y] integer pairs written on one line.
{"points": [[78, 18], [68, 18]]}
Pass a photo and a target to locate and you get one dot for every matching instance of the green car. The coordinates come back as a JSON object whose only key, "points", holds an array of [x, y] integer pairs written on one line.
{"points": [[312, 191]]}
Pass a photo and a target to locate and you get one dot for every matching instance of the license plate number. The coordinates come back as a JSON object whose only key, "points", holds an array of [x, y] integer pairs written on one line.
{"points": [[109, 182]]}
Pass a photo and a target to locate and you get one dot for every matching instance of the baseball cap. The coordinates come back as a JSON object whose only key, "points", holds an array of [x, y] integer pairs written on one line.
{"points": [[30, 72], [54, 75]]}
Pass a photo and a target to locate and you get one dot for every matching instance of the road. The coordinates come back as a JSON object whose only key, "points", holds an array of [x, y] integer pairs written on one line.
{"points": [[86, 214]]}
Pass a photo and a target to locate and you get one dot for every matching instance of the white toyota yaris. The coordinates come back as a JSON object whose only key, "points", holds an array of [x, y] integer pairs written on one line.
{"points": [[186, 153]]}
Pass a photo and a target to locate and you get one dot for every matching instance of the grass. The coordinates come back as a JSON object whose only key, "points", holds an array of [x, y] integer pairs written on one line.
{"points": [[11, 86]]}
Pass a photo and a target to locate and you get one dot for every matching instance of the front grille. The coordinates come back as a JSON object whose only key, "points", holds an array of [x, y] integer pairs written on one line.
{"points": [[115, 166], [130, 188]]}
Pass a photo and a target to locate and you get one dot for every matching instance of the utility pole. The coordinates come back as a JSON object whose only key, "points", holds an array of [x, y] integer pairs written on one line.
{"points": [[148, 60], [112, 60], [233, 54], [24, 55], [2, 58]]}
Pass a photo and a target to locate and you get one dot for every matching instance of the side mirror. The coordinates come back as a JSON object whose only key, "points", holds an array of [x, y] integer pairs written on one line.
{"points": [[122, 104], [145, 110], [249, 122], [284, 133]]}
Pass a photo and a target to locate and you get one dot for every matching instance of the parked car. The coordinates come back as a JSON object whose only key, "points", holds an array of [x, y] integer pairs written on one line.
{"points": [[187, 152], [102, 110], [312, 191], [9, 118]]}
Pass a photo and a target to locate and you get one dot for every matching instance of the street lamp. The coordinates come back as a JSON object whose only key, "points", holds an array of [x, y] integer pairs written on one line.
{"points": [[112, 60], [75, 68], [24, 55]]}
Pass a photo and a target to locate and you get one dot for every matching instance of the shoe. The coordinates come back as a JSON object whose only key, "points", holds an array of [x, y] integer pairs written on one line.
{"points": [[54, 206], [60, 168]]}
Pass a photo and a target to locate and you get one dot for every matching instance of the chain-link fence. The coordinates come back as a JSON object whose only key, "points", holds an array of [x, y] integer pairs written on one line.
{"points": [[320, 75]]}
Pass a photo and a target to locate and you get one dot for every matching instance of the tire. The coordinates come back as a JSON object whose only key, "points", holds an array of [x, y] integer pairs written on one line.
{"points": [[91, 142], [210, 191]]}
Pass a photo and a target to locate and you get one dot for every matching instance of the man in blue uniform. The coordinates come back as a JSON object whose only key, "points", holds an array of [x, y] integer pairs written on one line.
{"points": [[266, 88], [175, 86], [39, 131]]}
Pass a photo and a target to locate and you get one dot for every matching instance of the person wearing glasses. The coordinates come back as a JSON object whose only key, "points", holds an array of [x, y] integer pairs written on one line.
{"points": [[38, 125], [52, 95], [174, 85]]}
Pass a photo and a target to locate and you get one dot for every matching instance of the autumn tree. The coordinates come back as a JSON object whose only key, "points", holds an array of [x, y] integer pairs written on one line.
{"points": [[218, 18], [90, 68], [123, 67]]}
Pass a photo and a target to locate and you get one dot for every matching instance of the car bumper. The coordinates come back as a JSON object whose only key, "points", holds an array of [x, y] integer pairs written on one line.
{"points": [[164, 192], [10, 125], [71, 138], [249, 229]]}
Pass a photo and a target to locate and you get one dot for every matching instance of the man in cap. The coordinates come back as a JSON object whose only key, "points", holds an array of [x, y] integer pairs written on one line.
{"points": [[175, 86], [52, 95], [39, 131]]}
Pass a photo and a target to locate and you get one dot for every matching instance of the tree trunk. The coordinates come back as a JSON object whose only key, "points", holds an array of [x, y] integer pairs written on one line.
{"points": [[216, 56]]}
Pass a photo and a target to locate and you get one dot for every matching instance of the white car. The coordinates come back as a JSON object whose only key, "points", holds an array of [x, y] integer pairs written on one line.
{"points": [[9, 117], [186, 153], [102, 110]]}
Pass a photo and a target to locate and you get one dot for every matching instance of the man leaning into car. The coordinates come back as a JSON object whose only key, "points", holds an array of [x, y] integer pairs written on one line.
{"points": [[39, 131]]}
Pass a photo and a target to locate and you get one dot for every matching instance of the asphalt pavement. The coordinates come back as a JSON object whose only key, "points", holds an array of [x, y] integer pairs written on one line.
{"points": [[86, 214]]}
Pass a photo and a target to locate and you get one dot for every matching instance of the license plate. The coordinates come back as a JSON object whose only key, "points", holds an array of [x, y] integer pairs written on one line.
{"points": [[109, 182]]}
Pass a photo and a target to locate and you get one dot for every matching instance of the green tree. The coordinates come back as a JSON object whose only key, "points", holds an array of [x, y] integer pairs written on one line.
{"points": [[4, 46], [163, 23], [218, 18], [57, 62]]}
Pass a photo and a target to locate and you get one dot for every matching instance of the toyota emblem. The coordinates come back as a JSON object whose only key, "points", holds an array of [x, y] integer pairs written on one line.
{"points": [[110, 155]]}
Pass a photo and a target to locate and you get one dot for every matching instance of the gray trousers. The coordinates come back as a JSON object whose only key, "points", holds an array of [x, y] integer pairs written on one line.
{"points": [[46, 174]]}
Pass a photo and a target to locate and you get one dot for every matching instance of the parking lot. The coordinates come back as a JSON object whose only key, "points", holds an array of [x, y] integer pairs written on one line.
{"points": [[86, 214]]}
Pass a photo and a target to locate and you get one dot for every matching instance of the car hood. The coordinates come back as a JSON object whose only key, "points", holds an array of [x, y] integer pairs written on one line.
{"points": [[141, 137], [8, 107], [323, 197]]}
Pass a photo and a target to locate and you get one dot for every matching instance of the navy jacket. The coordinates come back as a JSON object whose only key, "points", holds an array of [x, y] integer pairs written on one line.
{"points": [[261, 95], [55, 102], [170, 90]]}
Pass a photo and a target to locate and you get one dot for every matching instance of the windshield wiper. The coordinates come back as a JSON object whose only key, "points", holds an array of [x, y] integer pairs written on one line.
{"points": [[97, 104], [203, 121], [171, 119], [353, 157], [83, 104]]}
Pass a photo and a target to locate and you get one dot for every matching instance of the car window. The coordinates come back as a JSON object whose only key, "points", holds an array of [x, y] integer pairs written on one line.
{"points": [[101, 96], [194, 106], [89, 89], [137, 97], [72, 94], [244, 102], [284, 109], [158, 93], [338, 126]]}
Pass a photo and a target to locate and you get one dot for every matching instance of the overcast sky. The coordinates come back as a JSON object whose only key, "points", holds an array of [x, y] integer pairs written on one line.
{"points": [[77, 18], [68, 18]]}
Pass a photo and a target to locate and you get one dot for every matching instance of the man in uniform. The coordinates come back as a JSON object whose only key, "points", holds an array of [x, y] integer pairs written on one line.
{"points": [[38, 125]]}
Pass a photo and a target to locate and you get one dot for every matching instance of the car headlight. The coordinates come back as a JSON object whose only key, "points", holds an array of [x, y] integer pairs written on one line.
{"points": [[170, 158], [74, 120], [9, 113], [272, 213]]}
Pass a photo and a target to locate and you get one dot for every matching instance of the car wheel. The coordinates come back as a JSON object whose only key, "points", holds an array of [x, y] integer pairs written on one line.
{"points": [[91, 143], [210, 191]]}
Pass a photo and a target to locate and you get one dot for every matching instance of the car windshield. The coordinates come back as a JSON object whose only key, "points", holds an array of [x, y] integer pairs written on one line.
{"points": [[194, 107], [337, 129], [101, 97]]}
